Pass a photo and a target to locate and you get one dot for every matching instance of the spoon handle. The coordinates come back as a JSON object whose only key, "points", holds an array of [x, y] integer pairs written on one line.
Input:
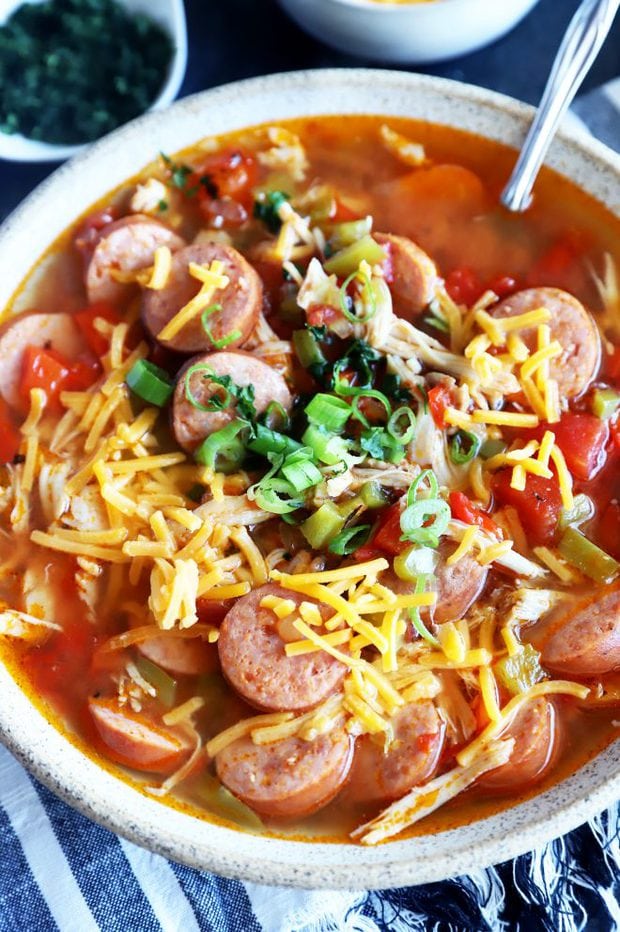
{"points": [[581, 44]]}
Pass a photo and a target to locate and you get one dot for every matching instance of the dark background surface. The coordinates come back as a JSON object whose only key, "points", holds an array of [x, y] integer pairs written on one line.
{"points": [[237, 39]]}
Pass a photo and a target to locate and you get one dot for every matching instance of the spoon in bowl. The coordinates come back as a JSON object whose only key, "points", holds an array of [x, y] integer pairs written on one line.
{"points": [[582, 42]]}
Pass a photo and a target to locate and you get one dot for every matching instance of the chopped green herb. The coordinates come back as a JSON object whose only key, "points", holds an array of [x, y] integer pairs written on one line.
{"points": [[267, 207], [162, 206]]}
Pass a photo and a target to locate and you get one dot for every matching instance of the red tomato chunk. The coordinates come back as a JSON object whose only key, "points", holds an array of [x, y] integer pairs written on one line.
{"points": [[538, 505]]}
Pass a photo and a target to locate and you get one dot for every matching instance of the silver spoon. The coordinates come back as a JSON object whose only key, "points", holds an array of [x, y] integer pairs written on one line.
{"points": [[582, 42]]}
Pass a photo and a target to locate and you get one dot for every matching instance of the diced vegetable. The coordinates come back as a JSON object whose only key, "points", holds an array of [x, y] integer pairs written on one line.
{"points": [[347, 260], [347, 541], [491, 447], [308, 349], [373, 495], [322, 526], [329, 412], [425, 521], [605, 402], [300, 471], [519, 673], [413, 561], [538, 505], [582, 439], [10, 437], [348, 232], [464, 286], [582, 510], [587, 557], [223, 804], [223, 451], [439, 398], [608, 531], [327, 448], [85, 319], [387, 537], [231, 173], [165, 685], [380, 445], [149, 382], [463, 509], [49, 370]]}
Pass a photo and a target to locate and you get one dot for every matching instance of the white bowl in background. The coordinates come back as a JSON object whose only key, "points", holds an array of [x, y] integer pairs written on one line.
{"points": [[170, 14], [39, 745], [407, 33]]}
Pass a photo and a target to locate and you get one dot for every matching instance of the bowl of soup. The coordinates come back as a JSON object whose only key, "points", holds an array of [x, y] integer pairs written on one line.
{"points": [[407, 31], [310, 468]]}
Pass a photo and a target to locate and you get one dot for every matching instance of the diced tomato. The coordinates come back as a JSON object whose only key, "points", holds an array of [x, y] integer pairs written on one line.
{"points": [[582, 438], [464, 286], [367, 552], [463, 509], [10, 437], [88, 233], [85, 319], [538, 505], [387, 536], [503, 286], [231, 173], [48, 369], [320, 315], [561, 262], [608, 531], [439, 398]]}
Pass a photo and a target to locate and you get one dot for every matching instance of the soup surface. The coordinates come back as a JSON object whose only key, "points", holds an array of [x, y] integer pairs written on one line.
{"points": [[309, 484]]}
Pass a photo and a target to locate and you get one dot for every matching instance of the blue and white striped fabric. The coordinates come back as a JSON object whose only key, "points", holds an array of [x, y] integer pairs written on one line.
{"points": [[60, 871]]}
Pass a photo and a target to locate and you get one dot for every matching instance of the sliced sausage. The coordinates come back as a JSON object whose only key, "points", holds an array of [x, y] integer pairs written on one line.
{"points": [[132, 739], [571, 326], [414, 275], [125, 245], [411, 759], [287, 779], [582, 637], [457, 586], [241, 300], [255, 663], [190, 424], [534, 731], [54, 331], [181, 656]]}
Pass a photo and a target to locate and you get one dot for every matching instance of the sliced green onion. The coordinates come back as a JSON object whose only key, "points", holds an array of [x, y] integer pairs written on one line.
{"points": [[210, 406], [322, 526], [327, 448], [149, 382], [349, 540], [587, 557], [223, 451], [357, 393], [414, 521], [268, 441], [426, 477], [491, 447], [223, 341], [605, 402], [406, 433], [416, 620], [351, 231], [438, 323], [582, 511], [276, 417], [307, 348], [300, 471], [267, 206], [165, 685], [464, 446], [413, 561], [328, 412], [348, 260], [351, 315], [275, 496], [373, 495]]}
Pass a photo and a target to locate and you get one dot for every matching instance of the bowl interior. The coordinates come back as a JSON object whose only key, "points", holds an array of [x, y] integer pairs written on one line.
{"points": [[37, 743]]}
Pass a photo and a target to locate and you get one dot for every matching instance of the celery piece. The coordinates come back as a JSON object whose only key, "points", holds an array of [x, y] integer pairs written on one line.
{"points": [[348, 260], [373, 495], [223, 804], [519, 673], [582, 510], [349, 232], [350, 506], [322, 526], [605, 402], [587, 557], [165, 685], [414, 561], [307, 349]]}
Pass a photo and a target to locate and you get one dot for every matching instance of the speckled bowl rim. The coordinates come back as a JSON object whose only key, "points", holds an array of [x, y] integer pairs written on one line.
{"points": [[39, 745]]}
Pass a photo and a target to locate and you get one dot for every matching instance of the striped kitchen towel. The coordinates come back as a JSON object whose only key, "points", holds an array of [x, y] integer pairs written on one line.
{"points": [[61, 871]]}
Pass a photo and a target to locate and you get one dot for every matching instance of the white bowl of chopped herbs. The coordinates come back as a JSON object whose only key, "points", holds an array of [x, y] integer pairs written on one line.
{"points": [[71, 71]]}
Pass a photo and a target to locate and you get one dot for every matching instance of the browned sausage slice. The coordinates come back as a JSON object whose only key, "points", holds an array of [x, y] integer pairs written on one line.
{"points": [[125, 245], [181, 656], [190, 424], [411, 759], [132, 739], [287, 779], [534, 731], [414, 274], [56, 331], [571, 326], [255, 663], [241, 300], [582, 637]]}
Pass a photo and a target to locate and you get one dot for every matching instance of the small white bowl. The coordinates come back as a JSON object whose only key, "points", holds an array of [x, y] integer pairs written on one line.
{"points": [[407, 33], [170, 14]]}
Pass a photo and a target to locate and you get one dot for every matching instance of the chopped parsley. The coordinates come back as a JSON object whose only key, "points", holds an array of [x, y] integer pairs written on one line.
{"points": [[266, 209]]}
